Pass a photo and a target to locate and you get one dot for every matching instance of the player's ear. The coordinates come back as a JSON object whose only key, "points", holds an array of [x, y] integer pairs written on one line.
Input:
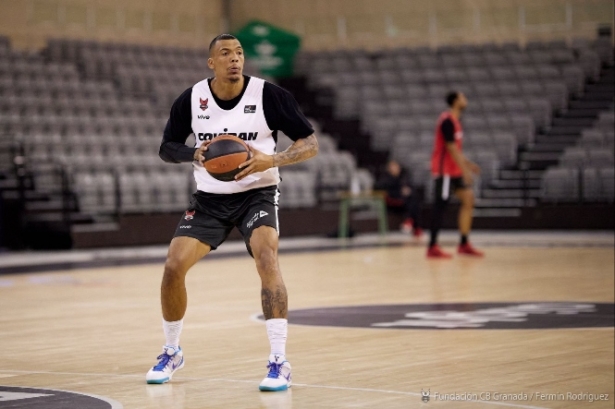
{"points": [[210, 63]]}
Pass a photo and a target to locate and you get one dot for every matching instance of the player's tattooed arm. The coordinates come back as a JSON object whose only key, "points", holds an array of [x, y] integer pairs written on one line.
{"points": [[299, 151]]}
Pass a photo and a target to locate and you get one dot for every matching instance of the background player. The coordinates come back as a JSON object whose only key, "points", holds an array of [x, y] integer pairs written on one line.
{"points": [[231, 103], [453, 172]]}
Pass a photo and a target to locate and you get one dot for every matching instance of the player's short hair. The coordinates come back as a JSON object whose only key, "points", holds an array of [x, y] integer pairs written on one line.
{"points": [[220, 37], [451, 97]]}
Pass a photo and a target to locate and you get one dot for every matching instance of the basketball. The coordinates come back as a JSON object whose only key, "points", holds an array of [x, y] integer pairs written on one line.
{"points": [[224, 155]]}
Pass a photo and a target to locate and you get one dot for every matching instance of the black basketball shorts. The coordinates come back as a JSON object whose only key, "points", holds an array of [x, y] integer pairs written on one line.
{"points": [[210, 218], [446, 185]]}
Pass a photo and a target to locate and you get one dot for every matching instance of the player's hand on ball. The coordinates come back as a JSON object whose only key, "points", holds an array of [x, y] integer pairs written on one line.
{"points": [[199, 153], [258, 162]]}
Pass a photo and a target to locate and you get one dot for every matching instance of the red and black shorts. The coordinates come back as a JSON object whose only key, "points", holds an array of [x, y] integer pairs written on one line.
{"points": [[211, 217], [446, 185]]}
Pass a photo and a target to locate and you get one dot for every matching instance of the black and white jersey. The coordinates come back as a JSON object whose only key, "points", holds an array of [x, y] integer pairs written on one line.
{"points": [[255, 116]]}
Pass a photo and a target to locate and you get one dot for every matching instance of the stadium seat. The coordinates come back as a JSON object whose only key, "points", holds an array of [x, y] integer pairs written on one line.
{"points": [[560, 185]]}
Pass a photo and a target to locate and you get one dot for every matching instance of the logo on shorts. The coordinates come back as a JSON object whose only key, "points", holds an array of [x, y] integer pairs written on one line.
{"points": [[185, 227], [256, 216], [189, 214]]}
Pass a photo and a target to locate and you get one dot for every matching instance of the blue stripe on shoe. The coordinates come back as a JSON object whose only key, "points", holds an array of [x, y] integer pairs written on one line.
{"points": [[157, 381], [270, 389]]}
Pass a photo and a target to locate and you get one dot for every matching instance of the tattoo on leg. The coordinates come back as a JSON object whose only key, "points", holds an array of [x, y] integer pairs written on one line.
{"points": [[275, 304]]}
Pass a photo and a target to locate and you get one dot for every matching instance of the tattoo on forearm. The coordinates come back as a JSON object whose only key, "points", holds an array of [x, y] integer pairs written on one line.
{"points": [[299, 151], [275, 303]]}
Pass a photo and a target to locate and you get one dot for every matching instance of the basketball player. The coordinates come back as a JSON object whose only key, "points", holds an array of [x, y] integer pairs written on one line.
{"points": [[453, 173], [255, 110]]}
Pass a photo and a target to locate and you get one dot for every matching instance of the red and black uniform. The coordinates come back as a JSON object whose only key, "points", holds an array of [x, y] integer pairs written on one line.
{"points": [[447, 173]]}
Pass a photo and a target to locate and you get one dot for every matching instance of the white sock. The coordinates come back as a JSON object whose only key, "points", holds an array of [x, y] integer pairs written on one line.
{"points": [[172, 330], [277, 330]]}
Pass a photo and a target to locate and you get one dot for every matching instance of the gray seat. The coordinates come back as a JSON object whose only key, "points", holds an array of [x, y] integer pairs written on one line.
{"points": [[503, 73], [591, 138], [412, 76], [560, 185], [489, 164], [478, 75], [518, 58], [592, 187], [526, 73], [600, 157], [495, 59], [607, 177], [574, 158], [562, 56], [575, 79], [505, 145], [429, 60], [509, 89], [541, 111], [524, 127]]}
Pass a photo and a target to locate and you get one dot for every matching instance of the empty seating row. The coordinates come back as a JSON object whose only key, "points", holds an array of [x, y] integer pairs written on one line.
{"points": [[138, 192], [76, 50], [32, 107], [298, 189], [384, 129], [430, 59], [570, 185], [52, 125], [73, 148], [577, 157]]}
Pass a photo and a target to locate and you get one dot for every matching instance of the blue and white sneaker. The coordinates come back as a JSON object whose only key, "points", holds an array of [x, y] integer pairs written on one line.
{"points": [[170, 361], [279, 376]]}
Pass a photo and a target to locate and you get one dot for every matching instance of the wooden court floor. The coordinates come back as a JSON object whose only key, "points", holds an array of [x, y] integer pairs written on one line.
{"points": [[97, 331]]}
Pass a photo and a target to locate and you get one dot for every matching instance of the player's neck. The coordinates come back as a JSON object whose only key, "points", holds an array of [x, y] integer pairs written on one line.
{"points": [[456, 113], [226, 90]]}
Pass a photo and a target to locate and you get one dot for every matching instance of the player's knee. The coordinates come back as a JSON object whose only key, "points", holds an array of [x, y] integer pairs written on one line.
{"points": [[468, 199], [266, 258], [173, 270]]}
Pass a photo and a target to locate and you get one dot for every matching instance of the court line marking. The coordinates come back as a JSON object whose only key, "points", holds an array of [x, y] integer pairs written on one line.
{"points": [[304, 385]]}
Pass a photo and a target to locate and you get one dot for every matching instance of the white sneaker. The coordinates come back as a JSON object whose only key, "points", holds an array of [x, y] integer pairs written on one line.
{"points": [[169, 361], [279, 376]]}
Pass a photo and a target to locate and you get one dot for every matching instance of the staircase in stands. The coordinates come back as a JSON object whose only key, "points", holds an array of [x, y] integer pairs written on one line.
{"points": [[520, 186]]}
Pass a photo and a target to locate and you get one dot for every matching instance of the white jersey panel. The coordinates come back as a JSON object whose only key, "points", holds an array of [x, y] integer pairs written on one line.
{"points": [[246, 120]]}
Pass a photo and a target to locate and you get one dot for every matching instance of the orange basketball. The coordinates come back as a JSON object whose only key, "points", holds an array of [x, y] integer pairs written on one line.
{"points": [[223, 156]]}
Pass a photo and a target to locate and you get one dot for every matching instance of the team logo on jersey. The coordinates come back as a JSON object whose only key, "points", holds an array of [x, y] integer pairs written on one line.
{"points": [[204, 103], [249, 109], [189, 214]]}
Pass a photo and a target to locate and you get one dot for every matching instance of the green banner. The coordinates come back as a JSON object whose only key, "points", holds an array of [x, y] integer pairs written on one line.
{"points": [[269, 48]]}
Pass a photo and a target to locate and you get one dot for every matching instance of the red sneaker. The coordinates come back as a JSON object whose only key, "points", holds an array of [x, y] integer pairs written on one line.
{"points": [[406, 226], [417, 232], [436, 252], [468, 250]]}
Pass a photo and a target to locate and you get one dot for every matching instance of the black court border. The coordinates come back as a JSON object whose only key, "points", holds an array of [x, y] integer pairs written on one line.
{"points": [[113, 404], [364, 316]]}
